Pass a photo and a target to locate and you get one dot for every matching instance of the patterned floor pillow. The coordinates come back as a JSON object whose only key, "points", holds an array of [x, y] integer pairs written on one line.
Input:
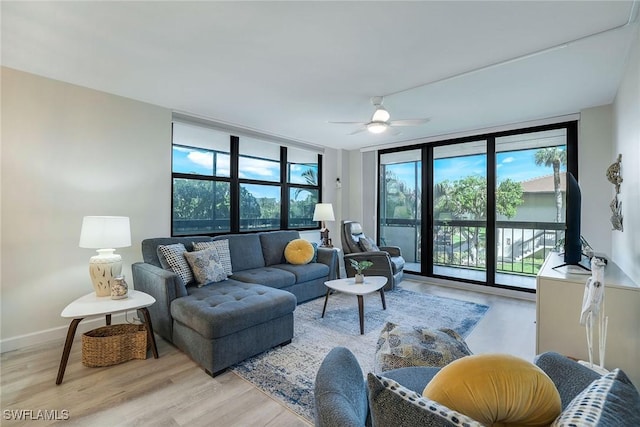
{"points": [[404, 346]]}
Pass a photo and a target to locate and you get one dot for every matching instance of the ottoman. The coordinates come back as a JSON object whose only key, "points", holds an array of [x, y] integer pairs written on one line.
{"points": [[224, 323], [402, 346]]}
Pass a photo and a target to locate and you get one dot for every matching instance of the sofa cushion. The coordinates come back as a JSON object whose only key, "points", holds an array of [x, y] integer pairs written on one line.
{"points": [[497, 389], [245, 250], [299, 252], [609, 401], [269, 276], [273, 244], [306, 272], [227, 307], [391, 404], [205, 265], [403, 346], [174, 258], [222, 248]]}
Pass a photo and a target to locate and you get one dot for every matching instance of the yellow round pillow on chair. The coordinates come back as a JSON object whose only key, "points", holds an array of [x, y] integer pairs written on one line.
{"points": [[298, 251], [496, 390]]}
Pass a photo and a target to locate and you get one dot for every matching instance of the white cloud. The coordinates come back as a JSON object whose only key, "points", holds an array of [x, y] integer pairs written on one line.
{"points": [[508, 159], [200, 158], [255, 167]]}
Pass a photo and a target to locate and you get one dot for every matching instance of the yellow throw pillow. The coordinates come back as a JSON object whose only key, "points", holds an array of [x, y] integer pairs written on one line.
{"points": [[298, 251], [496, 390]]}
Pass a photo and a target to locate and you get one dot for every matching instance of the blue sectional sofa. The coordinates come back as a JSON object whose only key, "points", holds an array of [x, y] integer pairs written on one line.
{"points": [[223, 323]]}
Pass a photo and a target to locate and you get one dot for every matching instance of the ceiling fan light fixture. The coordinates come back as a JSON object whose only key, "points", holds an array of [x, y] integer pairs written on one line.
{"points": [[376, 127], [380, 115]]}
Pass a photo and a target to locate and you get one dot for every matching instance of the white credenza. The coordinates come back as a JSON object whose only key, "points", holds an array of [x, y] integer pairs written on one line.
{"points": [[558, 306]]}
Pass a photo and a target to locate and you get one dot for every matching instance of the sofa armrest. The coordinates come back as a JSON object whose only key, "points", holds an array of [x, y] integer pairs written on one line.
{"points": [[164, 286], [392, 250], [569, 377], [329, 257]]}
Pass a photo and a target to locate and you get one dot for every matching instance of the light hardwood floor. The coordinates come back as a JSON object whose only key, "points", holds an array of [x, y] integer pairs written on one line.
{"points": [[174, 391]]}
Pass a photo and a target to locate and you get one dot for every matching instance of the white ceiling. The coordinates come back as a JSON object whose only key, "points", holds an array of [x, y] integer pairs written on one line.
{"points": [[288, 68]]}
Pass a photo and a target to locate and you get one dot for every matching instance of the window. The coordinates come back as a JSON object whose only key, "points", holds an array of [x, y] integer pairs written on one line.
{"points": [[224, 183]]}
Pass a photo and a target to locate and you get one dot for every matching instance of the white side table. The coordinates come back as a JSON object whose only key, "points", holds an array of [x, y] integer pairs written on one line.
{"points": [[371, 284], [92, 305]]}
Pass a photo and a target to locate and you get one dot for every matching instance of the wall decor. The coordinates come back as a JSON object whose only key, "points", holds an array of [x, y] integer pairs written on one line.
{"points": [[614, 175]]}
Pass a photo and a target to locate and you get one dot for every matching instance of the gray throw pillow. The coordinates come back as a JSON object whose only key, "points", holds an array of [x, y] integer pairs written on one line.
{"points": [[391, 404], [404, 346], [206, 266], [608, 401], [368, 245]]}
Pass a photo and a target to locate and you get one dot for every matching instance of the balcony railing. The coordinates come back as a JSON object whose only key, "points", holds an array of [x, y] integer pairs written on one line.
{"points": [[521, 247]]}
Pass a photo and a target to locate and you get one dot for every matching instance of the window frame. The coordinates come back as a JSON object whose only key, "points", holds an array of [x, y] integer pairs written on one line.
{"points": [[235, 182]]}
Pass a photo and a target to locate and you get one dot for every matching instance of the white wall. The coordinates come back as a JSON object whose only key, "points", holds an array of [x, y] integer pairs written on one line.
{"points": [[594, 154], [626, 141], [67, 152]]}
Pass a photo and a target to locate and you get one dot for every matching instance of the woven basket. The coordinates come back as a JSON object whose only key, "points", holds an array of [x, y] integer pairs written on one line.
{"points": [[113, 344]]}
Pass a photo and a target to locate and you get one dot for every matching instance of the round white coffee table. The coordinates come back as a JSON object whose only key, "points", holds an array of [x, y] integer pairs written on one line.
{"points": [[349, 286], [92, 305]]}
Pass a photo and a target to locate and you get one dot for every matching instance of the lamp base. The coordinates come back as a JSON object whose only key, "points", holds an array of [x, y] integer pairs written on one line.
{"points": [[325, 241], [103, 269]]}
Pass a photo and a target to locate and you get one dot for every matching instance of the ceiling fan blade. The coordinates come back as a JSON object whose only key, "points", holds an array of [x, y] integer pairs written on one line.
{"points": [[362, 129], [409, 122], [347, 123]]}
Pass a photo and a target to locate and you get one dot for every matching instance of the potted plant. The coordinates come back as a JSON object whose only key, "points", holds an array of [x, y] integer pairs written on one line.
{"points": [[359, 267]]}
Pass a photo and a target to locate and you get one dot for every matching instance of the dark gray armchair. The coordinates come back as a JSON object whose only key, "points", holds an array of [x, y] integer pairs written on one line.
{"points": [[387, 260]]}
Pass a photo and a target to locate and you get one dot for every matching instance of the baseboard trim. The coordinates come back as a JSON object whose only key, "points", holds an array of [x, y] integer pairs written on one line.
{"points": [[509, 293], [56, 334]]}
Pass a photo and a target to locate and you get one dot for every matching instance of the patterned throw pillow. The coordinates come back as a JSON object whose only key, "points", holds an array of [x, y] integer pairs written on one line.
{"points": [[206, 266], [368, 245], [608, 401], [224, 254], [391, 404], [174, 256], [403, 346]]}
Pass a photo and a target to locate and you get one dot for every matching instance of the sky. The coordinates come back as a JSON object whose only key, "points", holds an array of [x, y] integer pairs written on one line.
{"points": [[197, 161], [517, 165]]}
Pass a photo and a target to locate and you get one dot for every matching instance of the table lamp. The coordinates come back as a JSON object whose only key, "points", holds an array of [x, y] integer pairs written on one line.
{"points": [[105, 233], [324, 212]]}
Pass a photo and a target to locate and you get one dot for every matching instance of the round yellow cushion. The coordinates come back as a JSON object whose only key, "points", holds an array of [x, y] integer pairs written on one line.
{"points": [[298, 251], [496, 390]]}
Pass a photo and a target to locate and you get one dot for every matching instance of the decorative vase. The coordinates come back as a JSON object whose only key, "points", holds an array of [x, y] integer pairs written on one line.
{"points": [[119, 288], [359, 278]]}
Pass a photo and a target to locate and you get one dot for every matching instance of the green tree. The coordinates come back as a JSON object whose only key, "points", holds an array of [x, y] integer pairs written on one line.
{"points": [[466, 198], [400, 199], [555, 157]]}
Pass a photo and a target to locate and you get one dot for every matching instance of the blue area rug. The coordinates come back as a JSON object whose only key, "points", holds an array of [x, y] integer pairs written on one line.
{"points": [[288, 373]]}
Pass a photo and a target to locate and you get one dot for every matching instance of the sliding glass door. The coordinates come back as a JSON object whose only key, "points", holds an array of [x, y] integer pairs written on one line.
{"points": [[401, 204], [530, 188], [491, 207], [460, 210]]}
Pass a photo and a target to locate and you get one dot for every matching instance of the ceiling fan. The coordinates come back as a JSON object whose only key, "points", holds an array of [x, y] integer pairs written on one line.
{"points": [[380, 122]]}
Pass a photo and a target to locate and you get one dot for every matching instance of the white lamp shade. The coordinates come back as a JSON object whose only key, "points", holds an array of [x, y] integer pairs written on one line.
{"points": [[100, 232], [323, 212], [376, 127]]}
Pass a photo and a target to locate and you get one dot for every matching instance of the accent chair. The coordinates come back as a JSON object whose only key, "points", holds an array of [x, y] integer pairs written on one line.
{"points": [[387, 260]]}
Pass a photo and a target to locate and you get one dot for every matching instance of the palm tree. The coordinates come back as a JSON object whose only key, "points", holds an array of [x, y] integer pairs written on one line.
{"points": [[553, 156]]}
